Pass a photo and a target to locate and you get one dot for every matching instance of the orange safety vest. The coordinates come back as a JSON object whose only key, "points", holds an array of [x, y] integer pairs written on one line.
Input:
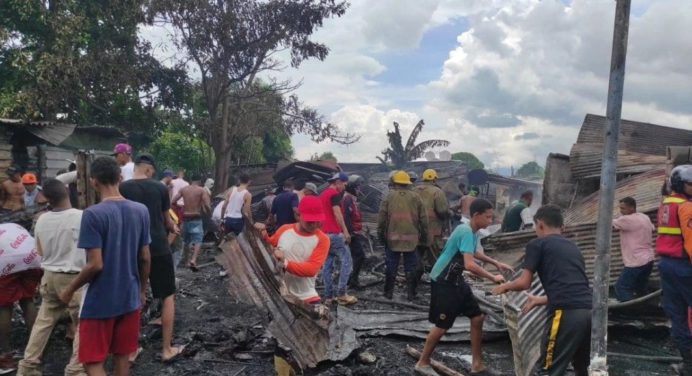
{"points": [[669, 242]]}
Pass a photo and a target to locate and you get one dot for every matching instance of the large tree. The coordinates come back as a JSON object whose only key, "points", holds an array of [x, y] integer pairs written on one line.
{"points": [[399, 154], [472, 162], [233, 42], [531, 170], [81, 61]]}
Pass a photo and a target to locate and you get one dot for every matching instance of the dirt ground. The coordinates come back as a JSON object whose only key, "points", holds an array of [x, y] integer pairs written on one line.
{"points": [[227, 338]]}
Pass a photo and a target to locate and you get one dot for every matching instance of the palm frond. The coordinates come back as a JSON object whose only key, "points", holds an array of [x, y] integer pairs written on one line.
{"points": [[420, 149], [411, 143]]}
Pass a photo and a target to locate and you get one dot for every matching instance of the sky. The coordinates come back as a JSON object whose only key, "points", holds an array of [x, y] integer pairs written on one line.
{"points": [[509, 81]]}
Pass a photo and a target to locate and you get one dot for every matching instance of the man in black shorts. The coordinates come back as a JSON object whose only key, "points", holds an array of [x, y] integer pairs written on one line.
{"points": [[560, 266], [451, 295], [154, 195]]}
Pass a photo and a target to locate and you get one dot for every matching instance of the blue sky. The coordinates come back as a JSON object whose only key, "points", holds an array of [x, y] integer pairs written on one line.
{"points": [[509, 81]]}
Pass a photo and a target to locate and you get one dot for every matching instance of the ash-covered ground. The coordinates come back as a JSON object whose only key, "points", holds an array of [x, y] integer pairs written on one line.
{"points": [[227, 338]]}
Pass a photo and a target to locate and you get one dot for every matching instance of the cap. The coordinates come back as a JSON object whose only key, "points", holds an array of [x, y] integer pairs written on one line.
{"points": [[412, 175], [310, 209], [401, 177], [311, 187], [146, 158], [429, 175], [338, 176], [168, 173], [122, 148], [29, 178], [13, 170]]}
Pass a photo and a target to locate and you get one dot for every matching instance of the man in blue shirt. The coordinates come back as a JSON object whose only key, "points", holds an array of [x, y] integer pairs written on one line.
{"points": [[115, 235], [451, 296], [285, 206]]}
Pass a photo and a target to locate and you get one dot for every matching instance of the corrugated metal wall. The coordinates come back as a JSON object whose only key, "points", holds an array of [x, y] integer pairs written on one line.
{"points": [[55, 159]]}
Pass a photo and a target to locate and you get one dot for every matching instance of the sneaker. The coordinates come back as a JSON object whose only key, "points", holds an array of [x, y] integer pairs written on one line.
{"points": [[347, 300], [7, 364], [425, 370]]}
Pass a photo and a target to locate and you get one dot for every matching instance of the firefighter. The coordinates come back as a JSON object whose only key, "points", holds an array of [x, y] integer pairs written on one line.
{"points": [[674, 264], [401, 226], [437, 211]]}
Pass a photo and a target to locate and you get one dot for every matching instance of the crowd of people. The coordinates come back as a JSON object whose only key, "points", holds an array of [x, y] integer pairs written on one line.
{"points": [[99, 264]]}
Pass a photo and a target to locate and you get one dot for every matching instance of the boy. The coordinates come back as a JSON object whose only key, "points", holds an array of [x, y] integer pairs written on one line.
{"points": [[560, 266], [451, 295], [115, 235]]}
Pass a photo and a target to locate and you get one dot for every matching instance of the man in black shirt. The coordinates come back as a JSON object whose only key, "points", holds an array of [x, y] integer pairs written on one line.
{"points": [[560, 267], [154, 195]]}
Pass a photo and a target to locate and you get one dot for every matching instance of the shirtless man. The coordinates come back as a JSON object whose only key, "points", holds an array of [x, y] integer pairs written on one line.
{"points": [[12, 192], [196, 201]]}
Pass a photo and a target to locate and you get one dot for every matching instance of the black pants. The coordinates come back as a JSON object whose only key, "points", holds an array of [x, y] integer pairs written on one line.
{"points": [[567, 340], [357, 255]]}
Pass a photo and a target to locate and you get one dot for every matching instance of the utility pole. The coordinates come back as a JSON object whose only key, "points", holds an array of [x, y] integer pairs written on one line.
{"points": [[604, 231]]}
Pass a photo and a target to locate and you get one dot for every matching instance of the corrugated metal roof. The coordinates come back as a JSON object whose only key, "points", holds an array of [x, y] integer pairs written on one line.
{"points": [[51, 132], [638, 137], [510, 247], [644, 188], [586, 160]]}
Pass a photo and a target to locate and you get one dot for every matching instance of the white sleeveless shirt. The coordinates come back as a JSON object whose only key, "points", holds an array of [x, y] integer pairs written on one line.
{"points": [[235, 203]]}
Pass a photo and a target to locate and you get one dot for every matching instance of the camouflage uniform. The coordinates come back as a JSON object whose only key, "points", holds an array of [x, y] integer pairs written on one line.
{"points": [[401, 226], [437, 211]]}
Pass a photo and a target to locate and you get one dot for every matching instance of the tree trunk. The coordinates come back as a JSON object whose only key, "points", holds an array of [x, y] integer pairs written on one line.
{"points": [[221, 147]]}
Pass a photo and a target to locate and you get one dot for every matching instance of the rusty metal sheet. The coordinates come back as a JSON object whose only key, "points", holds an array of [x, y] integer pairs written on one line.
{"points": [[375, 323], [585, 161], [645, 188], [635, 136], [510, 247], [254, 280]]}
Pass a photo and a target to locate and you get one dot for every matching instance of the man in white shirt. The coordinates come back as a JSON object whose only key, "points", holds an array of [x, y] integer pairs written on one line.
{"points": [[123, 155], [56, 234]]}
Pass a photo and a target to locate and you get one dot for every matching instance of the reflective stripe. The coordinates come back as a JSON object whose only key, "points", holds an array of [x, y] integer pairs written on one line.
{"points": [[673, 200], [553, 338], [670, 230]]}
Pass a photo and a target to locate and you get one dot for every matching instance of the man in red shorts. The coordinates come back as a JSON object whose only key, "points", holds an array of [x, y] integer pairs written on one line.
{"points": [[115, 235]]}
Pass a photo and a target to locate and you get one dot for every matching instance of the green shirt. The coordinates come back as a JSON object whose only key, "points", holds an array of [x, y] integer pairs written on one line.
{"points": [[450, 265]]}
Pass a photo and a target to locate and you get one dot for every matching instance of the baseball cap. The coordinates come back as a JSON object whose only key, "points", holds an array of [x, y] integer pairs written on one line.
{"points": [[311, 187], [310, 209], [122, 148], [13, 170], [29, 178], [339, 176], [168, 173], [147, 159]]}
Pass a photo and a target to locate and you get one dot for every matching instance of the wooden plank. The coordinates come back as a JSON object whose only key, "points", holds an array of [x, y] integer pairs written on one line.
{"points": [[438, 366]]}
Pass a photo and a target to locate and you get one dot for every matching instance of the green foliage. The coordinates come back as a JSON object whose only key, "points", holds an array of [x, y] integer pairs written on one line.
{"points": [[177, 150], [472, 162], [326, 156], [398, 155], [531, 170], [81, 61]]}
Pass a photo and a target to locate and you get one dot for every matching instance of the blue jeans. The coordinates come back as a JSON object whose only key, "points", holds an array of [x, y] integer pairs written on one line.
{"points": [[676, 282], [391, 259], [632, 280], [193, 231], [337, 250]]}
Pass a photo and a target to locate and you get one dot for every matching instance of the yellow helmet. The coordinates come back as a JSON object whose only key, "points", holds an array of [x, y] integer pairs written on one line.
{"points": [[401, 177], [429, 175]]}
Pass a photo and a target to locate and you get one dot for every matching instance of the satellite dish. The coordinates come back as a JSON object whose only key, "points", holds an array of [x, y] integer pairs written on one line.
{"points": [[478, 177], [430, 156], [445, 155]]}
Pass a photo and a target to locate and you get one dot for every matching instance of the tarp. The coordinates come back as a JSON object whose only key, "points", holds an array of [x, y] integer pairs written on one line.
{"points": [[17, 250]]}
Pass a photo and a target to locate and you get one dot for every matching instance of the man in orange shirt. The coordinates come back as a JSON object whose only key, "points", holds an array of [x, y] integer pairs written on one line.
{"points": [[301, 248]]}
